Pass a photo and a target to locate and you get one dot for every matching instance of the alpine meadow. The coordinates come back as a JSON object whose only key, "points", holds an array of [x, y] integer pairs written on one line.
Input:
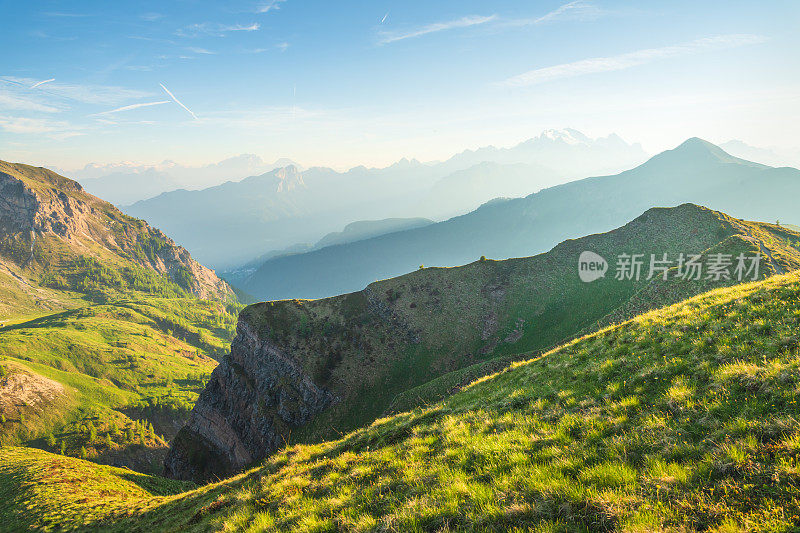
{"points": [[284, 266]]}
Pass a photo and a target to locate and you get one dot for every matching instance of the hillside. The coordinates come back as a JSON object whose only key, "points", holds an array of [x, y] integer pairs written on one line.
{"points": [[108, 330], [683, 419], [309, 370], [696, 172], [231, 224], [354, 231]]}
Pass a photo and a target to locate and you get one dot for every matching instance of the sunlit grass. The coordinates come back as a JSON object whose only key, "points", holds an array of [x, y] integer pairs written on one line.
{"points": [[643, 426]]}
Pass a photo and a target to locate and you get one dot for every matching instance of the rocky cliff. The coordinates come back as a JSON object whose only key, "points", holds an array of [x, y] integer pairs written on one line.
{"points": [[301, 371], [248, 409], [42, 211]]}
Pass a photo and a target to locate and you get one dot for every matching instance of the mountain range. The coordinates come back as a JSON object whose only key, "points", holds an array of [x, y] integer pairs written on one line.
{"points": [[127, 183], [696, 171], [542, 392], [233, 223]]}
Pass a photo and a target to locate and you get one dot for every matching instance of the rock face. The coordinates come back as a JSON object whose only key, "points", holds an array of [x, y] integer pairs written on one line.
{"points": [[36, 203], [253, 400]]}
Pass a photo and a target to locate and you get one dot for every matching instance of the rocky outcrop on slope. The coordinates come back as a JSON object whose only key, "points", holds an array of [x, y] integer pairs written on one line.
{"points": [[255, 397]]}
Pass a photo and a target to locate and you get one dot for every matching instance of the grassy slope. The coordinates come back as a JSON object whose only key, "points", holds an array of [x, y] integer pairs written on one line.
{"points": [[681, 419], [138, 357], [89, 311]]}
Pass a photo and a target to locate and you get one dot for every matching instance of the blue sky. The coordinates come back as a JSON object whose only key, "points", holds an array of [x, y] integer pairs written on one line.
{"points": [[346, 83]]}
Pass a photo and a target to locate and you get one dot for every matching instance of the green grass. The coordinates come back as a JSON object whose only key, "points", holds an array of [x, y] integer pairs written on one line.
{"points": [[683, 419], [142, 358]]}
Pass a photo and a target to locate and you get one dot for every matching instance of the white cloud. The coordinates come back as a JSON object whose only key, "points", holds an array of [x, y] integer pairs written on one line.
{"points": [[629, 60], [216, 30], [133, 106], [282, 46], [9, 100], [573, 10], [271, 5], [31, 125], [465, 22], [202, 51], [87, 94]]}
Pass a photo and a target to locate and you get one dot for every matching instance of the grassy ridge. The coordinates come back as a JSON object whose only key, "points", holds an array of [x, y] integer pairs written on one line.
{"points": [[682, 419], [435, 321]]}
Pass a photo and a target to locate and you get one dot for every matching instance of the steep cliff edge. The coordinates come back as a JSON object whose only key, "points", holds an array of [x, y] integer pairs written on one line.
{"points": [[302, 371], [48, 223], [253, 400]]}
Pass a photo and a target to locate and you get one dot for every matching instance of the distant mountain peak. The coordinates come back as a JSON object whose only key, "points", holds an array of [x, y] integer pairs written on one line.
{"points": [[698, 150], [568, 136]]}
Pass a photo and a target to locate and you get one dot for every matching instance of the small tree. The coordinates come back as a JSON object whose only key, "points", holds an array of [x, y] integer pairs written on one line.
{"points": [[63, 447], [483, 258], [82, 453], [3, 419], [421, 267], [51, 441]]}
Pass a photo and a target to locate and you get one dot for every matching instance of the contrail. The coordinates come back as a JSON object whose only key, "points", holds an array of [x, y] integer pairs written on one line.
{"points": [[178, 101], [35, 85], [385, 17], [134, 106]]}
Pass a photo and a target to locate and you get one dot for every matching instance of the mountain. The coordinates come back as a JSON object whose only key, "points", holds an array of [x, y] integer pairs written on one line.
{"points": [[301, 371], [767, 156], [365, 229], [355, 231], [105, 324], [48, 224], [696, 171], [567, 151], [469, 188], [682, 419], [232, 224], [127, 183]]}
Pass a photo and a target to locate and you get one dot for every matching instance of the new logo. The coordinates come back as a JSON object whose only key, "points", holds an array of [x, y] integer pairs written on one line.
{"points": [[591, 267]]}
